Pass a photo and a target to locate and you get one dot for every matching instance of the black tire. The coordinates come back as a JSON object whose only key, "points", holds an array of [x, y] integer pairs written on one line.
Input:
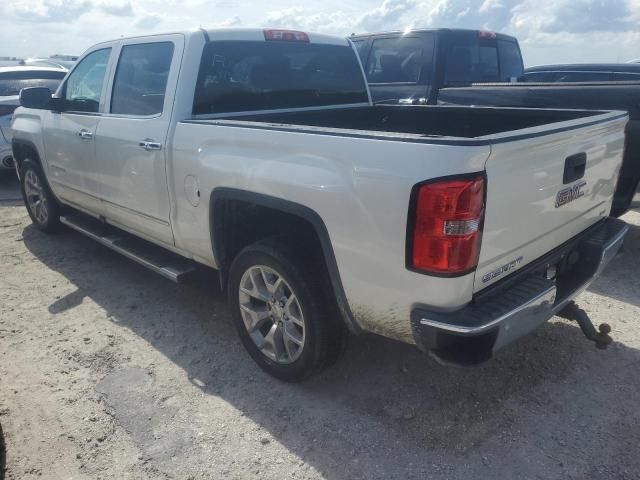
{"points": [[325, 333], [50, 222]]}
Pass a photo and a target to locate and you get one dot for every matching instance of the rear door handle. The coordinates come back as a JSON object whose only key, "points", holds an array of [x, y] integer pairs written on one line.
{"points": [[149, 145], [85, 134]]}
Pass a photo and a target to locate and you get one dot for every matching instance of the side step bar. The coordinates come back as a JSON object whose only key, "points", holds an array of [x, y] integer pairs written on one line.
{"points": [[158, 259]]}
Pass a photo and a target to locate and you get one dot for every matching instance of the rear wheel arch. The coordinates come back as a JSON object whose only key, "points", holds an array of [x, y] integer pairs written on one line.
{"points": [[231, 227]]}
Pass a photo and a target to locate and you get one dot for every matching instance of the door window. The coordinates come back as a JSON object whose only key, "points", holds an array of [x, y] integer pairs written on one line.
{"points": [[141, 79], [83, 88], [397, 60]]}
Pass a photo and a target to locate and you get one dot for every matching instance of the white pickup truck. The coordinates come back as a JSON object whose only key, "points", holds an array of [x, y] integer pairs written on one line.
{"points": [[259, 153]]}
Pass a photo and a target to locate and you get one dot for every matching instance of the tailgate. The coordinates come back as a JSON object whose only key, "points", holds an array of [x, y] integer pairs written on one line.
{"points": [[537, 196]]}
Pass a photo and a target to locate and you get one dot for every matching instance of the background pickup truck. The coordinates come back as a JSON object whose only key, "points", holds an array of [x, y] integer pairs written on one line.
{"points": [[259, 153], [471, 67]]}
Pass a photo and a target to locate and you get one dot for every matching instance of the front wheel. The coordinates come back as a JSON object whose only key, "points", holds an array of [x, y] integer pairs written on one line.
{"points": [[40, 202], [280, 312]]}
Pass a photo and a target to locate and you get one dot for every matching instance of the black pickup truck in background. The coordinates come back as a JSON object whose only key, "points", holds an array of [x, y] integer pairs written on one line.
{"points": [[414, 65], [473, 67]]}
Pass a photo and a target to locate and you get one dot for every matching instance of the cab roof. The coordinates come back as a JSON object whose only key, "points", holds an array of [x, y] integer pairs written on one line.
{"points": [[239, 34], [464, 31]]}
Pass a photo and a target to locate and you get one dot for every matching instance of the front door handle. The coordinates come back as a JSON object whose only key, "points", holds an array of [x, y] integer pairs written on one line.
{"points": [[85, 134], [149, 145]]}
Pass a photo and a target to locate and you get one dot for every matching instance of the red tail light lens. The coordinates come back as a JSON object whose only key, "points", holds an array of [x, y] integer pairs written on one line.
{"points": [[486, 34], [7, 109], [286, 36], [447, 230]]}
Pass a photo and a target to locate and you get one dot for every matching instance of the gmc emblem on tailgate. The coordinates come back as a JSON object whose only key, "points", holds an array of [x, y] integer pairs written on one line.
{"points": [[569, 194]]}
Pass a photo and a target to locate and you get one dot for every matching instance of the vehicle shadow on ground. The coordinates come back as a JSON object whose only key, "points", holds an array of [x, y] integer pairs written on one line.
{"points": [[9, 189], [621, 279], [3, 454], [385, 409]]}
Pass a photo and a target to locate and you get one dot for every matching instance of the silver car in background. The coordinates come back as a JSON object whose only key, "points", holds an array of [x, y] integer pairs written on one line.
{"points": [[12, 80]]}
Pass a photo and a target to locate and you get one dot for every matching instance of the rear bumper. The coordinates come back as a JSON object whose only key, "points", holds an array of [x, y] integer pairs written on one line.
{"points": [[521, 302]]}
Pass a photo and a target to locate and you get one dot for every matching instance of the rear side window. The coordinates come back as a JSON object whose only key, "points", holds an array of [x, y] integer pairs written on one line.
{"points": [[242, 76], [510, 60], [141, 79], [397, 60], [583, 77], [540, 77], [471, 59], [83, 88]]}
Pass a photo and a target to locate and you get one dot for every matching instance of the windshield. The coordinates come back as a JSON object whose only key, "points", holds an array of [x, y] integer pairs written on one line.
{"points": [[249, 76]]}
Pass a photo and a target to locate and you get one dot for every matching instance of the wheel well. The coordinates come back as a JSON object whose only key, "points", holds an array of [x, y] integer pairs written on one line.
{"points": [[239, 223], [23, 151], [240, 218]]}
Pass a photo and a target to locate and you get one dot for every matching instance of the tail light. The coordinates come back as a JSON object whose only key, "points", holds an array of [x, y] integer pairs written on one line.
{"points": [[486, 34], [286, 36], [444, 238], [7, 109]]}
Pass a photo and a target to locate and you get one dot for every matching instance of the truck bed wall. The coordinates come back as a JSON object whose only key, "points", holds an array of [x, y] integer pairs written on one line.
{"points": [[422, 120]]}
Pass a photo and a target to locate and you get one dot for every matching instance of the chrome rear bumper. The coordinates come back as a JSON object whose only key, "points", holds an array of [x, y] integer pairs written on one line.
{"points": [[521, 302]]}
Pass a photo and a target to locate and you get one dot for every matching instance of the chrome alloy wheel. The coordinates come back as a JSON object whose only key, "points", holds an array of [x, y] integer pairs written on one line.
{"points": [[36, 198], [272, 314]]}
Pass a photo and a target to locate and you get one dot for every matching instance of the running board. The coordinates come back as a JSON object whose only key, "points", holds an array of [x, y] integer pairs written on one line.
{"points": [[168, 264]]}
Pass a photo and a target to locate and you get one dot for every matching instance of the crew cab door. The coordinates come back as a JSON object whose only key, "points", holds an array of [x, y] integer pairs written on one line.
{"points": [[69, 136], [131, 147]]}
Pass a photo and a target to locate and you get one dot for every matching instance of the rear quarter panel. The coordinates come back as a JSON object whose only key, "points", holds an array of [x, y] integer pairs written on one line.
{"points": [[359, 187]]}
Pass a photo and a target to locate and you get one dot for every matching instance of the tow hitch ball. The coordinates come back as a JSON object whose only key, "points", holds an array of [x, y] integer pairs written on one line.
{"points": [[601, 337]]}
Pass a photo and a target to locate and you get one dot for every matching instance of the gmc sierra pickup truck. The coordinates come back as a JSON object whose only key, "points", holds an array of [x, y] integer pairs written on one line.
{"points": [[260, 154], [475, 67]]}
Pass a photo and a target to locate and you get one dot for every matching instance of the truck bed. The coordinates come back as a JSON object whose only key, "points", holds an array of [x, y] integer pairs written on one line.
{"points": [[421, 121]]}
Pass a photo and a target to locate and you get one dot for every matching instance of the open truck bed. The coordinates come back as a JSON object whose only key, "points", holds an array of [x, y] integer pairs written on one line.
{"points": [[449, 123]]}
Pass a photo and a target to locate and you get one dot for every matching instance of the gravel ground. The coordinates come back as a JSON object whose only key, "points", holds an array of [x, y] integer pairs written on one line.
{"points": [[108, 371]]}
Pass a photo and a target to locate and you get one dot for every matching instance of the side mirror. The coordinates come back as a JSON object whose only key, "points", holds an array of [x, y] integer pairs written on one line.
{"points": [[35, 97]]}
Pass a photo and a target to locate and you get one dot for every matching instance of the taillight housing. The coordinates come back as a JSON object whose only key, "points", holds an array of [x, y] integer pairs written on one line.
{"points": [[7, 109], [445, 226]]}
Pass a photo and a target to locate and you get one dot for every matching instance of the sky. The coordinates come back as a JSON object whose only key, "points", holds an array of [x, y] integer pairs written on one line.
{"points": [[560, 31]]}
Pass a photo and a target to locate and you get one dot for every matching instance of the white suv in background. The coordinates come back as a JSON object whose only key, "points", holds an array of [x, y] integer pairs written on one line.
{"points": [[12, 80]]}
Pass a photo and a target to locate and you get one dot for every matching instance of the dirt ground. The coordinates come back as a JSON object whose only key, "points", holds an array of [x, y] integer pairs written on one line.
{"points": [[109, 371]]}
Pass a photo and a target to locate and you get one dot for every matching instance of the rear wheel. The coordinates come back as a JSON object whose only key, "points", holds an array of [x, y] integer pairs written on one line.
{"points": [[280, 312], [40, 202]]}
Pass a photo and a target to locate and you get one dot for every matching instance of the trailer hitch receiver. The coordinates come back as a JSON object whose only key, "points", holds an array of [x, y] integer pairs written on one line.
{"points": [[600, 337]]}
